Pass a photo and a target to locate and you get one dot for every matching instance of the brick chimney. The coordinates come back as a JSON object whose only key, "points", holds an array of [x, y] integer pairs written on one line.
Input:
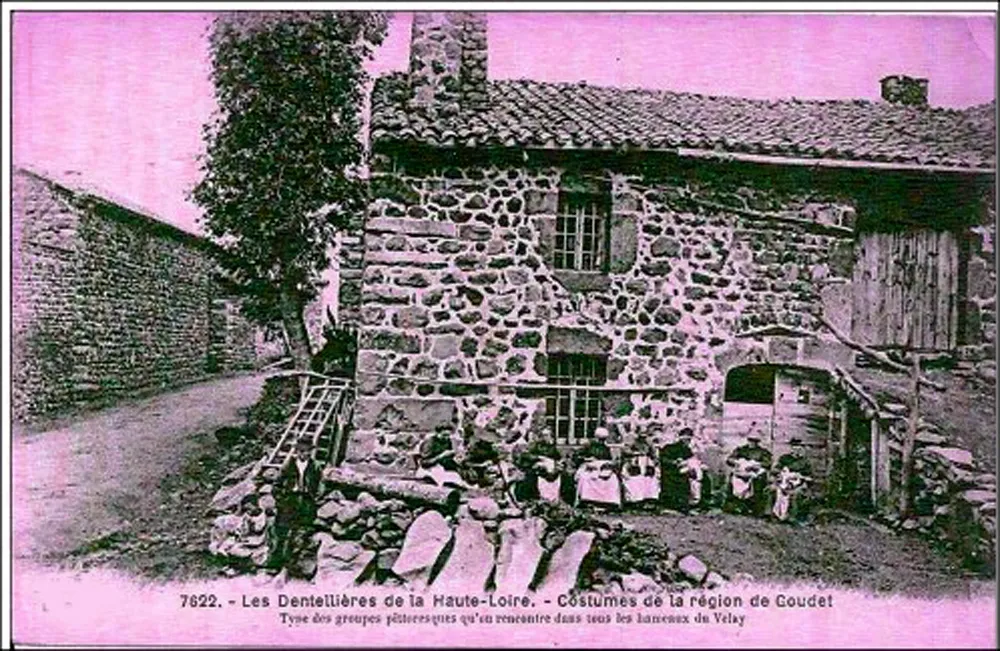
{"points": [[448, 61], [900, 89]]}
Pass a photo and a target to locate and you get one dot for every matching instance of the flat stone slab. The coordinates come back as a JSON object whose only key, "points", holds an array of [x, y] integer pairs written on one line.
{"points": [[975, 496], [471, 560], [407, 258], [564, 566], [520, 551], [957, 456], [425, 540], [229, 497], [406, 226]]}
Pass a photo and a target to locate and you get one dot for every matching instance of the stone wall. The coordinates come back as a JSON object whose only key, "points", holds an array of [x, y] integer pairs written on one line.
{"points": [[109, 303], [460, 305], [981, 292], [471, 545]]}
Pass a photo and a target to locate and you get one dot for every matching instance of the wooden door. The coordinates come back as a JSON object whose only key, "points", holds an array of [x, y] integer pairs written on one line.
{"points": [[906, 290], [802, 411]]}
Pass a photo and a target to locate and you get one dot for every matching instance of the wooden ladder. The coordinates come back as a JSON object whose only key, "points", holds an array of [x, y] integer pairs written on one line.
{"points": [[322, 418]]}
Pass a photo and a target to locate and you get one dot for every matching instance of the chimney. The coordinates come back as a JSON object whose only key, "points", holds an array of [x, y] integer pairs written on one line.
{"points": [[448, 61], [900, 89]]}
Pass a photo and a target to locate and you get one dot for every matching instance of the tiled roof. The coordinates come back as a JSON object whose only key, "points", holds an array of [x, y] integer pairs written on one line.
{"points": [[532, 114]]}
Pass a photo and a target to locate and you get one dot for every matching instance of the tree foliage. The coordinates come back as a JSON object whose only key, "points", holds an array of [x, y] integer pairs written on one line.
{"points": [[283, 149]]}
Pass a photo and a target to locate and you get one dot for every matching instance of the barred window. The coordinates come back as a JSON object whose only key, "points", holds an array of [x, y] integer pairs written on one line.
{"points": [[575, 412], [581, 231]]}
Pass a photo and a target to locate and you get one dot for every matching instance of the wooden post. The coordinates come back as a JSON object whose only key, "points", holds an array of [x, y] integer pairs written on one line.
{"points": [[874, 450], [844, 413], [884, 462], [910, 441]]}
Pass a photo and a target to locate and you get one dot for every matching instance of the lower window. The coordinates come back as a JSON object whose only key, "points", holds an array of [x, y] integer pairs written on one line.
{"points": [[576, 411]]}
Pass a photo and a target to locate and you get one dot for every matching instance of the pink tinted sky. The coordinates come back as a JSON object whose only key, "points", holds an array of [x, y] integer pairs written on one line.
{"points": [[121, 97]]}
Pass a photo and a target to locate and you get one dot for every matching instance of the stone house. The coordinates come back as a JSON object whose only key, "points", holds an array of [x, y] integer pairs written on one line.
{"points": [[573, 255], [109, 301]]}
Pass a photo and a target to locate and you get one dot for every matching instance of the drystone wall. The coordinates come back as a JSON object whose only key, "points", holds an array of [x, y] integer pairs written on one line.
{"points": [[107, 303], [458, 293], [476, 544], [981, 294]]}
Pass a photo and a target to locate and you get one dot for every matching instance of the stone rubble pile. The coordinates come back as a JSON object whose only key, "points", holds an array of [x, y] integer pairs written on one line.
{"points": [[954, 499], [479, 546]]}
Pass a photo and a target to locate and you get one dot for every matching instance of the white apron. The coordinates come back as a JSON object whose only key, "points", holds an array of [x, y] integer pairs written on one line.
{"points": [[597, 482], [694, 470], [742, 480], [788, 484], [548, 489], [642, 486]]}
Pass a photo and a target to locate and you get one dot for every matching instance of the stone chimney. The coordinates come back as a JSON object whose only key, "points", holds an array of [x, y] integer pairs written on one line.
{"points": [[448, 61], [900, 89]]}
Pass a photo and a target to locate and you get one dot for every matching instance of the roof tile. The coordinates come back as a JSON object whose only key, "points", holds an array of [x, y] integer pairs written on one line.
{"points": [[523, 113]]}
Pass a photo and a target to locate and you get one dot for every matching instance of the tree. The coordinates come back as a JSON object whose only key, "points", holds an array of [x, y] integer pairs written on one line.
{"points": [[283, 152]]}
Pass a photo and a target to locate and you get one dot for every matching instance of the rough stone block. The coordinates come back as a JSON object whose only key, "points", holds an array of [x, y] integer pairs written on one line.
{"points": [[399, 342], [424, 542], [470, 562], [576, 341], [624, 241], [520, 552], [564, 566]]}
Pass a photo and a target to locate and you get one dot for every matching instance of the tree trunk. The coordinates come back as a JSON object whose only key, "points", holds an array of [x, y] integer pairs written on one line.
{"points": [[295, 329]]}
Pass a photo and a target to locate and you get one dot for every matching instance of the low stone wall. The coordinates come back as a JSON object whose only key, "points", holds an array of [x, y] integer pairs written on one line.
{"points": [[955, 502], [482, 545]]}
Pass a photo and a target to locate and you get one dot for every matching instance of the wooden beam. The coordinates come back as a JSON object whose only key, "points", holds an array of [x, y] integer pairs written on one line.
{"points": [[774, 217], [874, 465], [710, 154], [885, 462], [879, 356]]}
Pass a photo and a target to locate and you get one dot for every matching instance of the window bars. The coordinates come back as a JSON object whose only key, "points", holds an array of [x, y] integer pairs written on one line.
{"points": [[574, 412], [581, 231]]}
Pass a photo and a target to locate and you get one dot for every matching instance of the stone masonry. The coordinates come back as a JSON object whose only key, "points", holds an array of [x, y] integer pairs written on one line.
{"points": [[109, 302], [712, 262], [458, 290]]}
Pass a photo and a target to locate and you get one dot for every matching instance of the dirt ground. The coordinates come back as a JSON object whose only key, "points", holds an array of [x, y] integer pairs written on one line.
{"points": [[117, 476], [834, 550]]}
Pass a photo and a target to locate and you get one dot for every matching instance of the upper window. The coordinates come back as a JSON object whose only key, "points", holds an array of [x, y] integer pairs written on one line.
{"points": [[581, 231]]}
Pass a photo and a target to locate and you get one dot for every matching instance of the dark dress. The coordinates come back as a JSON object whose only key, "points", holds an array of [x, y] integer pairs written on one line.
{"points": [[674, 488], [527, 489], [796, 463], [295, 501]]}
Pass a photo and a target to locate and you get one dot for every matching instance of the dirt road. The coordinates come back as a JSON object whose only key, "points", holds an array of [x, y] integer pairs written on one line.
{"points": [[90, 477]]}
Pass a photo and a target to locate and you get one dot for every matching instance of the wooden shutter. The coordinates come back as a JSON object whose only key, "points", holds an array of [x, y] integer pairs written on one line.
{"points": [[906, 290]]}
